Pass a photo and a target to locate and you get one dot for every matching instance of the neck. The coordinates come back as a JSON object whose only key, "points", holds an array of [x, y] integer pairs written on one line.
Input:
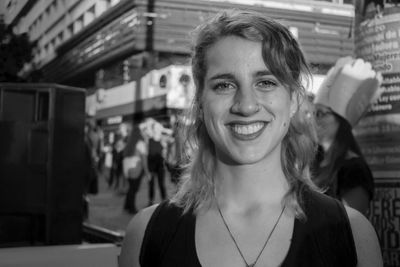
{"points": [[249, 185]]}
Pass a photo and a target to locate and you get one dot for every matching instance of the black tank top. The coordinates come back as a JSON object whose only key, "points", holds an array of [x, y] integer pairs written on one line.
{"points": [[323, 239]]}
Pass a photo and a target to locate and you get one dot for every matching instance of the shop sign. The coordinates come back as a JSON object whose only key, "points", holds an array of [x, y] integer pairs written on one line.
{"points": [[377, 40], [385, 216], [119, 95], [114, 120]]}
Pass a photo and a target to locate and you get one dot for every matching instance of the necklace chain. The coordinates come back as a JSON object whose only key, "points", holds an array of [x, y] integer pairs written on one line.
{"points": [[236, 244]]}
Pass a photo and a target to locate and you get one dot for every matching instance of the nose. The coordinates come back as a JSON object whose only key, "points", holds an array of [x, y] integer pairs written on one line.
{"points": [[246, 103]]}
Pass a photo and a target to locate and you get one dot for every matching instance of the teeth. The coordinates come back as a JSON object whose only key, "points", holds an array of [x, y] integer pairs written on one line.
{"points": [[248, 129]]}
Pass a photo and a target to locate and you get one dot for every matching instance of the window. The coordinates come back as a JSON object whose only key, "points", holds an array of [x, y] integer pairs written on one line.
{"points": [[78, 24], [70, 29], [60, 37], [55, 5], [47, 11], [39, 19], [45, 50], [10, 5], [114, 2], [89, 15]]}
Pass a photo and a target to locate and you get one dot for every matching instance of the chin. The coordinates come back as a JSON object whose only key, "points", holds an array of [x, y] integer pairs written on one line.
{"points": [[244, 158]]}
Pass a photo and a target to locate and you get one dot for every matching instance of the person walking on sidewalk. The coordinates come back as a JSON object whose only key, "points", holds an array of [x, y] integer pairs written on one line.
{"points": [[135, 151], [156, 163]]}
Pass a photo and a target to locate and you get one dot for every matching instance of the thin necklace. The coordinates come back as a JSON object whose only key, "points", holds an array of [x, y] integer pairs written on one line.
{"points": [[237, 246]]}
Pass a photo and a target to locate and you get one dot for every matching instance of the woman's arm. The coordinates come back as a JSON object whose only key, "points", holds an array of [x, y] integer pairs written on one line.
{"points": [[366, 241], [131, 246]]}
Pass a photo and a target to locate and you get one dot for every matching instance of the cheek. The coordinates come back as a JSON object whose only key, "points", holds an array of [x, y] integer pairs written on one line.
{"points": [[286, 116], [284, 108], [214, 106], [211, 115], [209, 110]]}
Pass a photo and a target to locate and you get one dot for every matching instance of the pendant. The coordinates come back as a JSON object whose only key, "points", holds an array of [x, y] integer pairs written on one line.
{"points": [[251, 265]]}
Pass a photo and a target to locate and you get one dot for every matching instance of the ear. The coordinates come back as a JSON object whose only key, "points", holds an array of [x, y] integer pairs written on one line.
{"points": [[294, 103]]}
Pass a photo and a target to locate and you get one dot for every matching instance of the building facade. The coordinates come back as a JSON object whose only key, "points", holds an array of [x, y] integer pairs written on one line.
{"points": [[106, 44]]}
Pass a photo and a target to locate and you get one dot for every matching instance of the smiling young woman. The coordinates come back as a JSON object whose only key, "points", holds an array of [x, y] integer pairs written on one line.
{"points": [[246, 197]]}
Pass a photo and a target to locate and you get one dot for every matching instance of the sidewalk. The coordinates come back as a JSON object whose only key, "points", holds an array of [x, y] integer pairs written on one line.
{"points": [[106, 208]]}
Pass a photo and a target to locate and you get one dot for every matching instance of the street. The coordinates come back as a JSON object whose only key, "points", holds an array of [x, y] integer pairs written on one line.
{"points": [[106, 207]]}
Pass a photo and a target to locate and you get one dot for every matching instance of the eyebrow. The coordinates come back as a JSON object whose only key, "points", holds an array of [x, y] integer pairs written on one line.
{"points": [[222, 76], [230, 76], [263, 73]]}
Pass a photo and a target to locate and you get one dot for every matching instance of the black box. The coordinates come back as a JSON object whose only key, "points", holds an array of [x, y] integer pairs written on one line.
{"points": [[41, 164]]}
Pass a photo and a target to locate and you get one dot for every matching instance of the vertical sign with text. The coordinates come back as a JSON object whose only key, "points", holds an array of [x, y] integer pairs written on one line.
{"points": [[377, 40]]}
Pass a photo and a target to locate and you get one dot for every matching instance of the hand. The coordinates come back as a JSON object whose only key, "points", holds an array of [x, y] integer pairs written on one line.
{"points": [[335, 70], [360, 70], [355, 76], [349, 88], [331, 78]]}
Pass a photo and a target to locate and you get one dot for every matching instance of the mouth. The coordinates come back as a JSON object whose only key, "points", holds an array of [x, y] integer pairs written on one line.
{"points": [[247, 130]]}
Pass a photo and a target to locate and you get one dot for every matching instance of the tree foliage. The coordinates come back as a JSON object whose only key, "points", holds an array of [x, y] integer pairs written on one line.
{"points": [[15, 51]]}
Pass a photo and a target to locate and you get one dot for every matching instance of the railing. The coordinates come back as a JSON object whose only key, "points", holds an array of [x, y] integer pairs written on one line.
{"points": [[96, 234], [82, 255]]}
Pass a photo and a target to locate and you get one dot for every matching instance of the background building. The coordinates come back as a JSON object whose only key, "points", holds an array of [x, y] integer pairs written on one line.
{"points": [[103, 45]]}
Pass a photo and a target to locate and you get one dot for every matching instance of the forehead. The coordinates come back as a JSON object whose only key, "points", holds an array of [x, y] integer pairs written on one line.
{"points": [[233, 53]]}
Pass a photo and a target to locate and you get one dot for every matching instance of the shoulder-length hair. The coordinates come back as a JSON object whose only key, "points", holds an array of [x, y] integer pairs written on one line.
{"points": [[284, 58]]}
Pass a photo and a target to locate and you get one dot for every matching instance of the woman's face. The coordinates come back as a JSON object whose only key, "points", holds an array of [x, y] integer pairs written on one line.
{"points": [[327, 124], [245, 109]]}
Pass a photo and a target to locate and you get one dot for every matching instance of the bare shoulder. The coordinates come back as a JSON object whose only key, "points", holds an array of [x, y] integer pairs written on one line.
{"points": [[365, 238], [133, 238]]}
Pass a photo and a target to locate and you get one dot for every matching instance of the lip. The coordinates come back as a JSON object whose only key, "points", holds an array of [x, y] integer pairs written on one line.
{"points": [[233, 125]]}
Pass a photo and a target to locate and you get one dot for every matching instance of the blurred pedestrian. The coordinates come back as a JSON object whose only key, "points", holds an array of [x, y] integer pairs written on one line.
{"points": [[246, 196], [116, 174], [135, 167], [173, 157], [156, 163], [90, 168], [345, 95], [101, 151], [92, 141], [172, 161]]}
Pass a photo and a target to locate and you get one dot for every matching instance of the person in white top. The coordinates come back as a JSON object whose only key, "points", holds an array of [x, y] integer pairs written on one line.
{"points": [[135, 153]]}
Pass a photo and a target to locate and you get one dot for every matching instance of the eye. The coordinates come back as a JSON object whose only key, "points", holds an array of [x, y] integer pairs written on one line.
{"points": [[322, 113], [223, 87], [266, 84]]}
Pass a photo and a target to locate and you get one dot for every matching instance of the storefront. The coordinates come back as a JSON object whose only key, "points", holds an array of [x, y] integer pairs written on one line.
{"points": [[158, 94]]}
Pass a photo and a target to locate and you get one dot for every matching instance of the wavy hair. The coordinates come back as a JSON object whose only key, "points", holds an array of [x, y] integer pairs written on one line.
{"points": [[284, 58]]}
